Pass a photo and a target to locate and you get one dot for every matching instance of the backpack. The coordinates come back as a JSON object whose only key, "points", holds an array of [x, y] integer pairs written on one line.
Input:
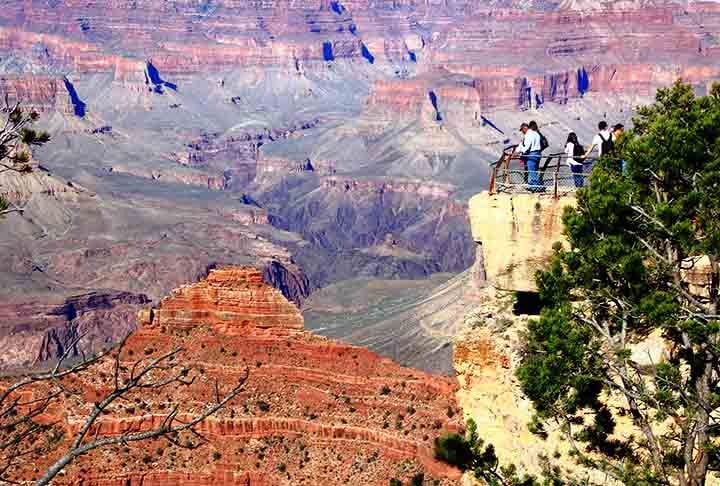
{"points": [[543, 142], [608, 146], [578, 153]]}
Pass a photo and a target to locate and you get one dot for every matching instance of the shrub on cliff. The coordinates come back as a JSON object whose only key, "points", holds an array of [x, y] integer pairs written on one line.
{"points": [[16, 135], [469, 453], [636, 240]]}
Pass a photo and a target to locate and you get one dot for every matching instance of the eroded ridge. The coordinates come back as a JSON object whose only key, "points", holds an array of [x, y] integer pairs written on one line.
{"points": [[313, 410]]}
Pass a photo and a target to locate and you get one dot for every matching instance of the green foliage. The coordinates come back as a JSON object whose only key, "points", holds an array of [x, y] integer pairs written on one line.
{"points": [[469, 453], [17, 135], [417, 480], [454, 449], [631, 238]]}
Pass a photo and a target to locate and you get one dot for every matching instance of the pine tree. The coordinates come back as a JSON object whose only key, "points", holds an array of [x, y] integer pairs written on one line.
{"points": [[633, 240]]}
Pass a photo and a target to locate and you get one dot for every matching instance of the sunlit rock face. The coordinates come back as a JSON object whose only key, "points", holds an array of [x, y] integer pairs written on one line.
{"points": [[319, 407], [517, 233]]}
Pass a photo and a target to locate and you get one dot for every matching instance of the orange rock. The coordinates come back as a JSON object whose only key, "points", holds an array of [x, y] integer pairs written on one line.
{"points": [[313, 411]]}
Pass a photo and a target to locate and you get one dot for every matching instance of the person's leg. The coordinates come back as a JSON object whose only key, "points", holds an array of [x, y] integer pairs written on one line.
{"points": [[533, 165], [577, 171]]}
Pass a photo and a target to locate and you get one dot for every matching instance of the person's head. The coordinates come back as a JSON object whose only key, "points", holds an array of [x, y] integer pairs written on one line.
{"points": [[533, 126], [602, 125], [572, 138], [524, 127], [619, 129]]}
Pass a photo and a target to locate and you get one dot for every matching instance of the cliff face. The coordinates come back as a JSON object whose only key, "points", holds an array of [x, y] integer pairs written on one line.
{"points": [[73, 266], [42, 93], [344, 214], [37, 331], [517, 233], [313, 410]]}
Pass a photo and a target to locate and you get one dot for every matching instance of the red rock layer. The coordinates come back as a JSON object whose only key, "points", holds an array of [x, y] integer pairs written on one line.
{"points": [[231, 301], [313, 411], [41, 93]]}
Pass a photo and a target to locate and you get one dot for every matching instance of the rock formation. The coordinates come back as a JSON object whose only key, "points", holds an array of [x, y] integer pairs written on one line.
{"points": [[517, 233], [62, 279], [44, 94], [313, 410], [173, 115]]}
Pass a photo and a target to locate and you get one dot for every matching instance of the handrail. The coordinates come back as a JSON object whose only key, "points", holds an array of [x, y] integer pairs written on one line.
{"points": [[501, 174]]}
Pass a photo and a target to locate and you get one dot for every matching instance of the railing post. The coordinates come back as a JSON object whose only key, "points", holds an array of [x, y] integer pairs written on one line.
{"points": [[555, 183], [493, 174]]}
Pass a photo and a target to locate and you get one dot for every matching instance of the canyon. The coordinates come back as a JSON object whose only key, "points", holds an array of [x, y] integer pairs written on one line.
{"points": [[311, 410], [329, 141], [336, 147]]}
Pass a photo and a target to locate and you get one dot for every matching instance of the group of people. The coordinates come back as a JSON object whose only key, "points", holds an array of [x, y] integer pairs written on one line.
{"points": [[534, 142]]}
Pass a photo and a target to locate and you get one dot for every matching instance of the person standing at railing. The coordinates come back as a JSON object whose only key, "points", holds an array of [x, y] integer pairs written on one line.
{"points": [[603, 141], [529, 151], [574, 154]]}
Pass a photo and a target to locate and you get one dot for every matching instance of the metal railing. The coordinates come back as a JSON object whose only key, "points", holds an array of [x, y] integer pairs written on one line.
{"points": [[554, 177]]}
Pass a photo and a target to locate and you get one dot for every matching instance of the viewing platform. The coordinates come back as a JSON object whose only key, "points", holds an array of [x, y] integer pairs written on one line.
{"points": [[510, 175]]}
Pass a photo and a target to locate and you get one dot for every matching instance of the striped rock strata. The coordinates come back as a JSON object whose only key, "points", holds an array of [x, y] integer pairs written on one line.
{"points": [[313, 411]]}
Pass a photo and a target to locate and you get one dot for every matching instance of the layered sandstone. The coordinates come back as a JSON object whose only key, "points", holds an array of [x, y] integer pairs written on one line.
{"points": [[41, 93], [34, 332], [517, 233], [312, 411]]}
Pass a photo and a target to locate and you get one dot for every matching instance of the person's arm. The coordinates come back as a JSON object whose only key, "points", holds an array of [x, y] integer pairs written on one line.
{"points": [[521, 149], [595, 142], [569, 150]]}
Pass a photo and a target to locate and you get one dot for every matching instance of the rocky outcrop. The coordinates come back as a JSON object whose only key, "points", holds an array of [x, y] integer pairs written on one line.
{"points": [[313, 410], [37, 331], [41, 93], [347, 214], [517, 233], [485, 356], [225, 300], [20, 188], [234, 161]]}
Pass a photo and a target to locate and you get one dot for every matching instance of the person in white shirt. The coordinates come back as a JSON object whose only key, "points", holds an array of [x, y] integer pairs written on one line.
{"points": [[529, 150], [574, 157], [602, 139]]}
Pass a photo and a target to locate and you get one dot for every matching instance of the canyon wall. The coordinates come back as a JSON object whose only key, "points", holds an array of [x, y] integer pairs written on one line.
{"points": [[517, 233], [312, 410]]}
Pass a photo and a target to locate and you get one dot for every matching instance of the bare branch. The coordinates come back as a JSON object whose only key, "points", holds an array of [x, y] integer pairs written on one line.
{"points": [[166, 429]]}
